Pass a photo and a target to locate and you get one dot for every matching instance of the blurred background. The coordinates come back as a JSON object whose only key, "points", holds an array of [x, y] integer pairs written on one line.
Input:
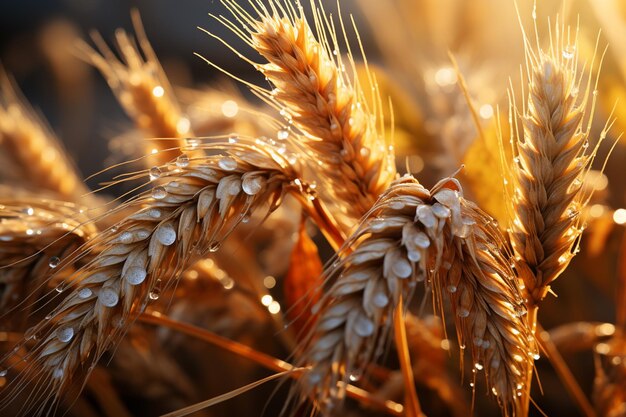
{"points": [[408, 44]]}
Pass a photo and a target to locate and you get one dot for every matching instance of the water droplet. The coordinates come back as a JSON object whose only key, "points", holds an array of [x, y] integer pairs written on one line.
{"points": [[478, 366], [3, 373], [364, 152], [233, 139], [84, 293], [159, 193], [536, 356], [54, 262], [402, 268], [182, 161], [28, 210], [422, 240], [108, 297], [585, 144], [166, 235], [363, 326], [57, 373], [283, 134], [227, 163], [214, 247], [380, 300], [451, 288], [135, 275], [495, 391], [463, 312], [251, 185], [154, 213], [155, 172], [60, 288], [414, 256], [569, 51], [354, 377], [65, 334]]}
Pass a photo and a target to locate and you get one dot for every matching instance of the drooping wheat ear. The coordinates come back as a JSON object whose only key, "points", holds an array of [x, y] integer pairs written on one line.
{"points": [[412, 235], [29, 142], [488, 305], [143, 90], [193, 206], [35, 236], [313, 91], [551, 160], [609, 387]]}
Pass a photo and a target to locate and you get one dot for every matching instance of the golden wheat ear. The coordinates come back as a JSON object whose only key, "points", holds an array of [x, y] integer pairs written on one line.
{"points": [[143, 90], [413, 236], [193, 205], [36, 235], [33, 147], [314, 92]]}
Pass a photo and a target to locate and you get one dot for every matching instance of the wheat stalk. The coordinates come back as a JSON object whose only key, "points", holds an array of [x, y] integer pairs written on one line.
{"points": [[412, 235], [29, 142], [315, 94], [143, 90], [190, 210]]}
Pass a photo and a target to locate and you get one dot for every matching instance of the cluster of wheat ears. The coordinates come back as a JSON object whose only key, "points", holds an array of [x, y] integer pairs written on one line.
{"points": [[79, 270]]}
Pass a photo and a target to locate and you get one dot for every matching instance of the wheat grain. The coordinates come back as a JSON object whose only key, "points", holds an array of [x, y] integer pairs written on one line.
{"points": [[412, 235], [190, 210], [42, 161], [143, 90], [314, 93]]}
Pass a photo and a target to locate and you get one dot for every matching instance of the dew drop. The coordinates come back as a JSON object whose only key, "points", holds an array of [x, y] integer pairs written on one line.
{"points": [[135, 275], [3, 373], [451, 288], [233, 139], [108, 297], [155, 172], [364, 152], [214, 247], [478, 366], [363, 326], [569, 51], [166, 235], [283, 134], [227, 163], [28, 210], [54, 262], [251, 185], [154, 213], [463, 312], [65, 334], [84, 293], [182, 161], [159, 193], [422, 240], [60, 288], [245, 219]]}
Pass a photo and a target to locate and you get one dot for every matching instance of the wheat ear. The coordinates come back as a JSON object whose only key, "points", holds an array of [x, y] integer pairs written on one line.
{"points": [[143, 90], [35, 236], [191, 209], [412, 235], [315, 94], [552, 159], [32, 145]]}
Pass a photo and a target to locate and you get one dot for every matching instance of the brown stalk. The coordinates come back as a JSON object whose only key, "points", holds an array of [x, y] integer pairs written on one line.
{"points": [[411, 403], [263, 359]]}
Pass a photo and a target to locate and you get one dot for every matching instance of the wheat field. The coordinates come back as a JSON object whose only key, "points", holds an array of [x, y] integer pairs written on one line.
{"points": [[338, 208]]}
